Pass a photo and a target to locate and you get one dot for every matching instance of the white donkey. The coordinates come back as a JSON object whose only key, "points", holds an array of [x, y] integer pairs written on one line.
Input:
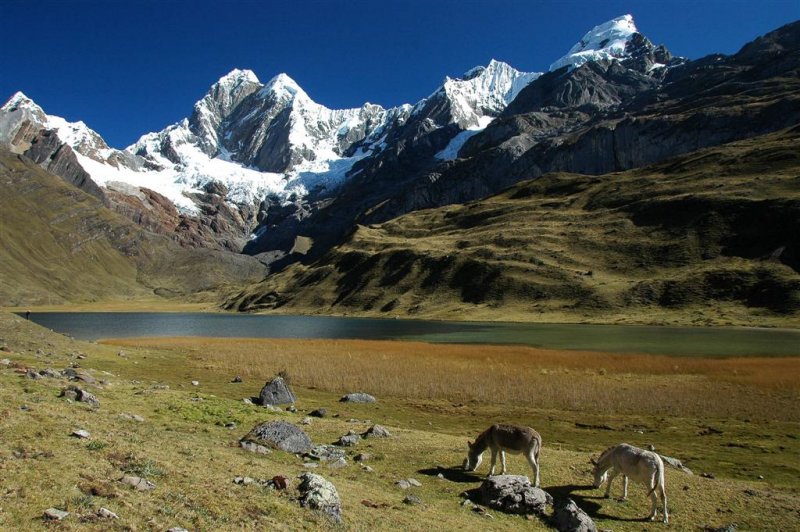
{"points": [[502, 438], [640, 465]]}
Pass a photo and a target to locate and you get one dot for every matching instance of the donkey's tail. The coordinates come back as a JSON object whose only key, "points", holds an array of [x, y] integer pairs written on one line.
{"points": [[658, 478]]}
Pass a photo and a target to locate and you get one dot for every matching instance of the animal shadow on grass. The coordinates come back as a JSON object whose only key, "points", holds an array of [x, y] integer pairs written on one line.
{"points": [[453, 474], [588, 503]]}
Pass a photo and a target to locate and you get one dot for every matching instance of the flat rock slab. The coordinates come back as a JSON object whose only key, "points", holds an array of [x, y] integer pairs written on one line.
{"points": [[280, 435], [513, 494], [568, 517], [82, 434], [55, 514], [357, 397], [141, 484], [319, 494], [325, 453], [276, 392], [254, 447]]}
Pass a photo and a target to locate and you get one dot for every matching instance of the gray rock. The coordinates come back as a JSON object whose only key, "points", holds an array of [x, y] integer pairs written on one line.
{"points": [[291, 408], [107, 514], [77, 394], [247, 401], [357, 397], [366, 468], [50, 373], [82, 434], [5, 362], [319, 412], [402, 484], [177, 529], [77, 375], [276, 392], [280, 435], [195, 383], [31, 374], [362, 457], [319, 494], [414, 482], [132, 417], [350, 439], [237, 379], [568, 517], [412, 500], [254, 447], [377, 431], [306, 421], [55, 514], [141, 484], [339, 463], [325, 453], [513, 494]]}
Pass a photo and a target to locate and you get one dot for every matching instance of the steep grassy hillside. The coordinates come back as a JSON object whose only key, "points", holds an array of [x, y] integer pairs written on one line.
{"points": [[710, 237], [61, 244]]}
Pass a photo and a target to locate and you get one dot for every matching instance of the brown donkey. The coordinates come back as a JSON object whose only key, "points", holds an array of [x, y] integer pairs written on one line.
{"points": [[502, 438]]}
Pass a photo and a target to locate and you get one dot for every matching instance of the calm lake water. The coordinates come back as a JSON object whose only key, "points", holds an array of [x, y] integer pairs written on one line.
{"points": [[683, 341]]}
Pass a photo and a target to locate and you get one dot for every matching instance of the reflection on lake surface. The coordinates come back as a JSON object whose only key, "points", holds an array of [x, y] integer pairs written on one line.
{"points": [[712, 341]]}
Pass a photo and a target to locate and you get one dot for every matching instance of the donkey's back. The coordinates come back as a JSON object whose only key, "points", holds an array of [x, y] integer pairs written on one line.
{"points": [[514, 438]]}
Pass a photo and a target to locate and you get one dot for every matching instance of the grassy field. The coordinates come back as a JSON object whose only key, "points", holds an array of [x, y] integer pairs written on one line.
{"points": [[432, 398]]}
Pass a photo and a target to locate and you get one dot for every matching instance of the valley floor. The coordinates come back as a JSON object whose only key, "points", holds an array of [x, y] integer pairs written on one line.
{"points": [[734, 419]]}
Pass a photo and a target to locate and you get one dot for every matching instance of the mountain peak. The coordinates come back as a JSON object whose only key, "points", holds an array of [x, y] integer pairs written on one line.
{"points": [[606, 41], [237, 76], [283, 87], [20, 100]]}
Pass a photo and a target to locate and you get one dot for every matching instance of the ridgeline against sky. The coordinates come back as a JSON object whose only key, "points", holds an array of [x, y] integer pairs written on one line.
{"points": [[126, 68]]}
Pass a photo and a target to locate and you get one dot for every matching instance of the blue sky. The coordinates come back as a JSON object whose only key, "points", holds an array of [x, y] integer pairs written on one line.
{"points": [[130, 67]]}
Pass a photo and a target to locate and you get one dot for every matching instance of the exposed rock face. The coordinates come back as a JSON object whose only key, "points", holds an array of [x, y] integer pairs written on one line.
{"points": [[514, 494], [276, 392], [568, 517], [318, 493], [280, 435]]}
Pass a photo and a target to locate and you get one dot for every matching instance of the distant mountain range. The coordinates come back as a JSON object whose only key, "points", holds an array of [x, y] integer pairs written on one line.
{"points": [[261, 168]]}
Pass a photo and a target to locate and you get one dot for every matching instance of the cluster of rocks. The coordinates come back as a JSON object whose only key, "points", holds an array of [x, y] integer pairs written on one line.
{"points": [[80, 395]]}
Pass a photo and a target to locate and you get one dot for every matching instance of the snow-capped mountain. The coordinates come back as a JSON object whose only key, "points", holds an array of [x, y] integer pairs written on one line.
{"points": [[250, 146]]}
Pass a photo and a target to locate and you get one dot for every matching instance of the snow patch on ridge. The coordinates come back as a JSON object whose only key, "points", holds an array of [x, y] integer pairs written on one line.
{"points": [[450, 152]]}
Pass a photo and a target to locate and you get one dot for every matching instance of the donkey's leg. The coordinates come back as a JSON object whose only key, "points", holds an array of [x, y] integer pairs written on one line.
{"points": [[494, 461], [534, 467], [611, 476], [664, 500], [624, 487], [653, 497], [503, 461]]}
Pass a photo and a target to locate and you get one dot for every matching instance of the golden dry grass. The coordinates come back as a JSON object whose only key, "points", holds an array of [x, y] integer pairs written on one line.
{"points": [[767, 388]]}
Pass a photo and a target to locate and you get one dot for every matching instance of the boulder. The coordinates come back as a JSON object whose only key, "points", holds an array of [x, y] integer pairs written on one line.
{"points": [[377, 431], [319, 494], [77, 394], [350, 439], [513, 494], [357, 397], [568, 517], [279, 435], [55, 514], [276, 392]]}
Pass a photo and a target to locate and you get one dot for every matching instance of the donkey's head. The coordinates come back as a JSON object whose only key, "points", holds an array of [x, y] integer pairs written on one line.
{"points": [[599, 474], [474, 457]]}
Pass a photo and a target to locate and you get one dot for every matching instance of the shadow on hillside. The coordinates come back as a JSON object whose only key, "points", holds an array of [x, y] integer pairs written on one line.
{"points": [[591, 504], [453, 474]]}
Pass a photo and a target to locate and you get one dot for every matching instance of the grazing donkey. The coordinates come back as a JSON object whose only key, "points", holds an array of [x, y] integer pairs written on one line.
{"points": [[502, 438], [638, 464]]}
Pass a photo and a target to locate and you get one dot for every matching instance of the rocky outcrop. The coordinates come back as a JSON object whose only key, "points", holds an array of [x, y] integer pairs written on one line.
{"points": [[317, 493], [568, 517], [514, 494]]}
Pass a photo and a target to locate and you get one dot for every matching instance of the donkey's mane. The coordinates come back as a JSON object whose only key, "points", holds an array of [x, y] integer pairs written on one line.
{"points": [[606, 452], [482, 441]]}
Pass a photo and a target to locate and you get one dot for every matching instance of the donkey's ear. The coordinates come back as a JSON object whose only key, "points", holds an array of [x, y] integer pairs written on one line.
{"points": [[469, 443], [593, 461]]}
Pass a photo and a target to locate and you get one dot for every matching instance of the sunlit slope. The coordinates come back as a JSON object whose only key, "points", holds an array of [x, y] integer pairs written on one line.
{"points": [[60, 244], [710, 237]]}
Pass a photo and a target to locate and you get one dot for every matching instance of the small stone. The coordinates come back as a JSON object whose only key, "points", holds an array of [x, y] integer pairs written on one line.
{"points": [[325, 453], [5, 362], [273, 408], [280, 482], [107, 514], [31, 374], [141, 484], [237, 379], [55, 514], [708, 475], [338, 463], [357, 397], [760, 477], [350, 439], [310, 465], [50, 373], [362, 457], [77, 394], [412, 500], [230, 425], [82, 434], [254, 447], [291, 408], [121, 354], [414, 482], [319, 412], [440, 476], [306, 421], [132, 417], [177, 529], [377, 431], [81, 357], [195, 383], [247, 401], [280, 435], [366, 468], [403, 484]]}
